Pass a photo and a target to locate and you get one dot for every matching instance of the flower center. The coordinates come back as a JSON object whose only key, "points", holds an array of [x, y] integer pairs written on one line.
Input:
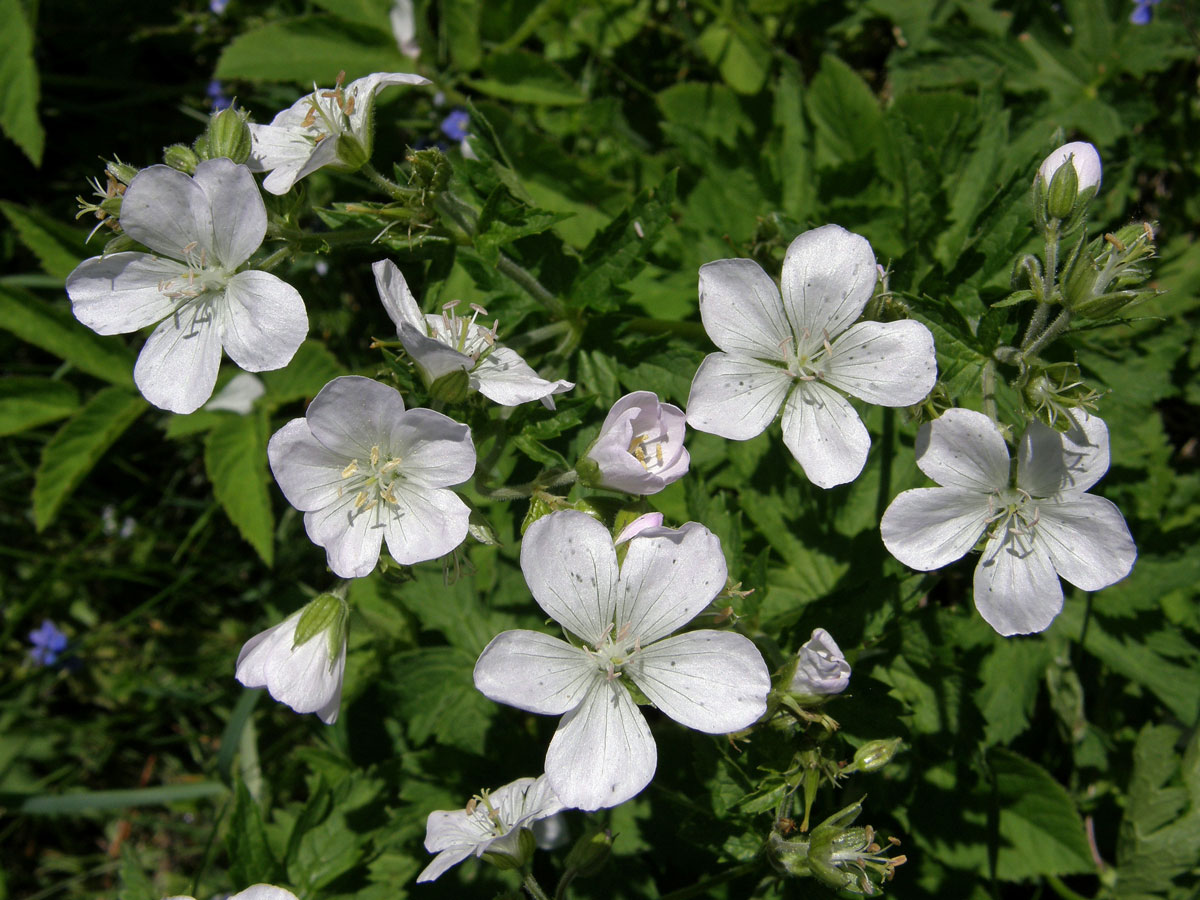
{"points": [[485, 816], [462, 334], [372, 480], [806, 362], [202, 276], [648, 450], [1014, 512], [613, 652], [332, 108]]}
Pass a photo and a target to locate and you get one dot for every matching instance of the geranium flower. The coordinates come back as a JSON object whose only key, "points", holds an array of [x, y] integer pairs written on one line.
{"points": [[794, 351], [363, 469], [713, 681], [333, 127], [1083, 157], [821, 668], [201, 228], [640, 447], [492, 823], [1043, 527], [440, 345], [255, 892], [301, 660]]}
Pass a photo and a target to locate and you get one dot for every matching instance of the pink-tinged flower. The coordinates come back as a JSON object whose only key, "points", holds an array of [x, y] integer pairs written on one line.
{"points": [[1040, 528], [821, 668], [801, 351], [640, 448]]}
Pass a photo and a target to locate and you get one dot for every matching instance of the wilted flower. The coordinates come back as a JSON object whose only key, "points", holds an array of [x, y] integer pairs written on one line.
{"points": [[331, 127], [363, 469], [820, 666], [446, 344], [494, 823], [795, 350], [300, 661], [201, 229], [1043, 527], [713, 681], [47, 642], [640, 448]]}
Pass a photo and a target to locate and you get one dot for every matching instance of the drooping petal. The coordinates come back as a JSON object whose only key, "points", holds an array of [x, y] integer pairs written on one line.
{"points": [[535, 672], [825, 434], [436, 451], [264, 321], [1016, 588], [123, 292], [352, 414], [363, 90], [741, 309], [885, 363], [602, 753], [927, 528], [828, 276], [963, 449], [668, 577], [432, 357], [571, 569], [350, 535], [250, 669], [735, 397], [504, 378], [444, 861], [1049, 461], [1087, 539], [177, 368], [303, 678], [168, 212], [308, 473], [398, 301], [424, 522], [712, 681], [238, 213]]}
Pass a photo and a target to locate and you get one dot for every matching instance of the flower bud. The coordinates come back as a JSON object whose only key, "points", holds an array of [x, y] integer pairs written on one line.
{"points": [[181, 157], [873, 756], [121, 171], [590, 853], [229, 135], [1106, 277], [1064, 188], [640, 447], [821, 669]]}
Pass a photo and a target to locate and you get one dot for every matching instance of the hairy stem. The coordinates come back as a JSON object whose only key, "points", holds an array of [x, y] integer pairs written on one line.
{"points": [[533, 888]]}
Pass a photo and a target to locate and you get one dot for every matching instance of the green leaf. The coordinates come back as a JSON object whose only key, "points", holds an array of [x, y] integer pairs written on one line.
{"points": [[711, 109], [56, 331], [743, 62], [250, 858], [523, 77], [135, 884], [369, 13], [92, 801], [77, 447], [436, 695], [19, 80], [1040, 831], [59, 248], [505, 219], [845, 113], [310, 49], [235, 456], [311, 369], [1011, 676], [29, 402], [460, 18]]}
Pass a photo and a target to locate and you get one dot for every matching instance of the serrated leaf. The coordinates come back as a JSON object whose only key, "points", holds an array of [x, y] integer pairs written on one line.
{"points": [[56, 331], [844, 111], [742, 62], [1011, 676], [250, 858], [19, 77], [58, 248], [524, 77], [29, 402], [235, 456], [77, 447], [435, 694], [310, 49]]}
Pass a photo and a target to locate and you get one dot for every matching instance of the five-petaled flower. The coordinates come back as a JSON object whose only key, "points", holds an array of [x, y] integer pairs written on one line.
{"points": [[445, 344], [620, 615], [821, 668], [1040, 528], [331, 127], [794, 350], [201, 229], [492, 823], [47, 643], [640, 447], [363, 470]]}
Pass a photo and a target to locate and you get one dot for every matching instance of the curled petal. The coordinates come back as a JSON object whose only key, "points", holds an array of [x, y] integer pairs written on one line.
{"points": [[736, 397], [927, 528], [504, 378], [825, 434], [535, 672], [963, 449]]}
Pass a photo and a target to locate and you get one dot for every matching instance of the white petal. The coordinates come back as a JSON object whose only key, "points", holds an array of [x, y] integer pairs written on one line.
{"points": [[504, 378], [251, 664], [239, 216], [363, 91], [351, 537], [637, 526], [308, 473], [167, 211], [712, 681], [264, 892], [571, 569], [451, 828], [120, 293], [828, 276], [667, 579], [264, 321], [963, 449], [527, 799], [886, 363], [444, 861], [302, 677], [352, 414], [1083, 157], [602, 753], [436, 451], [424, 522], [1016, 588], [177, 368], [825, 434], [1050, 461], [741, 309], [535, 672], [281, 151], [735, 397], [238, 395], [1087, 539], [927, 528], [432, 357], [821, 667], [398, 300]]}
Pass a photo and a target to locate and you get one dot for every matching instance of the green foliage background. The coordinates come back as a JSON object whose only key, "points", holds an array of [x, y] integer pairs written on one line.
{"points": [[1062, 763]]}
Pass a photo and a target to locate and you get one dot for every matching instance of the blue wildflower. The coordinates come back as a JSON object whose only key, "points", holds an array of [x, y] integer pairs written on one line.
{"points": [[1142, 11], [217, 95], [455, 125], [218, 6], [47, 642]]}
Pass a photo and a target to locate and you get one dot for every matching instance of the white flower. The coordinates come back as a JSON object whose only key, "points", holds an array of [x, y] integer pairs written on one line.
{"points": [[300, 661], [793, 351], [201, 229], [1083, 157], [364, 470], [640, 447], [644, 522], [448, 343], [713, 681], [238, 395], [255, 892], [820, 666], [404, 28], [331, 127], [1039, 529], [491, 823]]}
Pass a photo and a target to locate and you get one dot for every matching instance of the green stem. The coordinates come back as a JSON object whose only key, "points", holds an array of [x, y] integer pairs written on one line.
{"points": [[521, 491], [306, 240], [535, 890], [560, 892], [1062, 890], [987, 384], [1037, 323], [274, 259], [386, 185], [1057, 327], [702, 887], [537, 335]]}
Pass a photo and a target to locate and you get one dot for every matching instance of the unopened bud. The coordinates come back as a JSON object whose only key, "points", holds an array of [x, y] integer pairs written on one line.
{"points": [[430, 170], [590, 853], [181, 157], [873, 755], [228, 135], [1062, 190], [121, 171]]}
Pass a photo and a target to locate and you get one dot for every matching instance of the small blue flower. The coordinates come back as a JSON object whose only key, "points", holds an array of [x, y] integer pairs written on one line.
{"points": [[1142, 12], [47, 642], [217, 95], [455, 125], [217, 6]]}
